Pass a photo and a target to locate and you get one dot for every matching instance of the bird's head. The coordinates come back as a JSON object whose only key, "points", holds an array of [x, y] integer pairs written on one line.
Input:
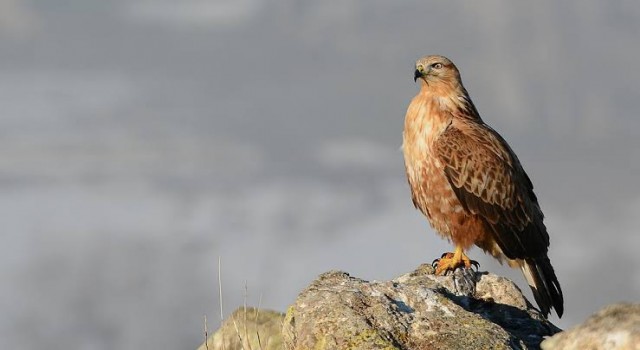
{"points": [[436, 69]]}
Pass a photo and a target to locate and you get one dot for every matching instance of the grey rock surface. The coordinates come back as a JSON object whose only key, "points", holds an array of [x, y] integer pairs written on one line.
{"points": [[464, 310], [615, 327], [248, 329]]}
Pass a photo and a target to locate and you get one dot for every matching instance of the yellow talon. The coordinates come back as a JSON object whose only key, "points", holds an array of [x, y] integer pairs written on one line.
{"points": [[451, 261]]}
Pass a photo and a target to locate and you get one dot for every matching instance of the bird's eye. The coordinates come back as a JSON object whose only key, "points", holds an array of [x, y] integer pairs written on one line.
{"points": [[437, 65]]}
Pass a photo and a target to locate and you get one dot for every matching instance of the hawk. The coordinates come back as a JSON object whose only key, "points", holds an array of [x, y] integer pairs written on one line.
{"points": [[470, 185]]}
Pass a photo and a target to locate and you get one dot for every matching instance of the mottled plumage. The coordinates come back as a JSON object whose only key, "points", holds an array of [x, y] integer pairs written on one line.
{"points": [[470, 184]]}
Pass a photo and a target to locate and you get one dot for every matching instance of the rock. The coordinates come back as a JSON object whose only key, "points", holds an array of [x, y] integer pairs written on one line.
{"points": [[248, 329], [615, 327], [415, 311]]}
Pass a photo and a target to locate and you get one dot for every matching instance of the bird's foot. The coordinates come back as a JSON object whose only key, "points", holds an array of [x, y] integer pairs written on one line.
{"points": [[451, 261]]}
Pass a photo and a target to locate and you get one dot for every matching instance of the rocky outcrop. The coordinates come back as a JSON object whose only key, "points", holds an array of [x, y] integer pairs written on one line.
{"points": [[248, 329], [616, 327], [466, 310]]}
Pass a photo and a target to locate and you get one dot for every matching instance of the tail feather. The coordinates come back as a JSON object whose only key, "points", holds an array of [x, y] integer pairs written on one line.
{"points": [[544, 284]]}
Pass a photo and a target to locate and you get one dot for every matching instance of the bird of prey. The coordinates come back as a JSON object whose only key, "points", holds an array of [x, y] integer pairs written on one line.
{"points": [[470, 185]]}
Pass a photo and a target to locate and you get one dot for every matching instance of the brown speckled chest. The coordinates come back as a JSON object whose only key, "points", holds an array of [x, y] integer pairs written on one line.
{"points": [[431, 192]]}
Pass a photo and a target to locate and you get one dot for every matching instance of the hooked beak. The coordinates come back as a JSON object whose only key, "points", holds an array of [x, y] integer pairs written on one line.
{"points": [[420, 72], [417, 74]]}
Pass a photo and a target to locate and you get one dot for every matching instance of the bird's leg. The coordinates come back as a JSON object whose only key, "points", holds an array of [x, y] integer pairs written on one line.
{"points": [[451, 261]]}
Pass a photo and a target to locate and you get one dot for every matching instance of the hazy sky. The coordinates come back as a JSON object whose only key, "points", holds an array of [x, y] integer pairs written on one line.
{"points": [[142, 140]]}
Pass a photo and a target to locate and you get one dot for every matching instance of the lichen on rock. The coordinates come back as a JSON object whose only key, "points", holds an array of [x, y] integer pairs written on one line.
{"points": [[615, 327], [418, 310]]}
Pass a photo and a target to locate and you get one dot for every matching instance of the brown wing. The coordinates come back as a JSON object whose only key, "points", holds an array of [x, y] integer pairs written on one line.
{"points": [[490, 182]]}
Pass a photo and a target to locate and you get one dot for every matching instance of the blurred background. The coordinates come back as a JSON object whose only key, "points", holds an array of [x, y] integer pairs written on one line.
{"points": [[143, 140]]}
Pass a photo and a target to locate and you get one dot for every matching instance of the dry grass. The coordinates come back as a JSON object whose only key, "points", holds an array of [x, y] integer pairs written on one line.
{"points": [[242, 331]]}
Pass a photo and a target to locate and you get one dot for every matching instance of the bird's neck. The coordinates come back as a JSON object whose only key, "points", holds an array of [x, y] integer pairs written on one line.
{"points": [[448, 98], [431, 111], [427, 117]]}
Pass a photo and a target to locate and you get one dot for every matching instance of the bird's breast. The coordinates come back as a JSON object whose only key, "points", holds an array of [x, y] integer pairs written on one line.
{"points": [[424, 122], [431, 191]]}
